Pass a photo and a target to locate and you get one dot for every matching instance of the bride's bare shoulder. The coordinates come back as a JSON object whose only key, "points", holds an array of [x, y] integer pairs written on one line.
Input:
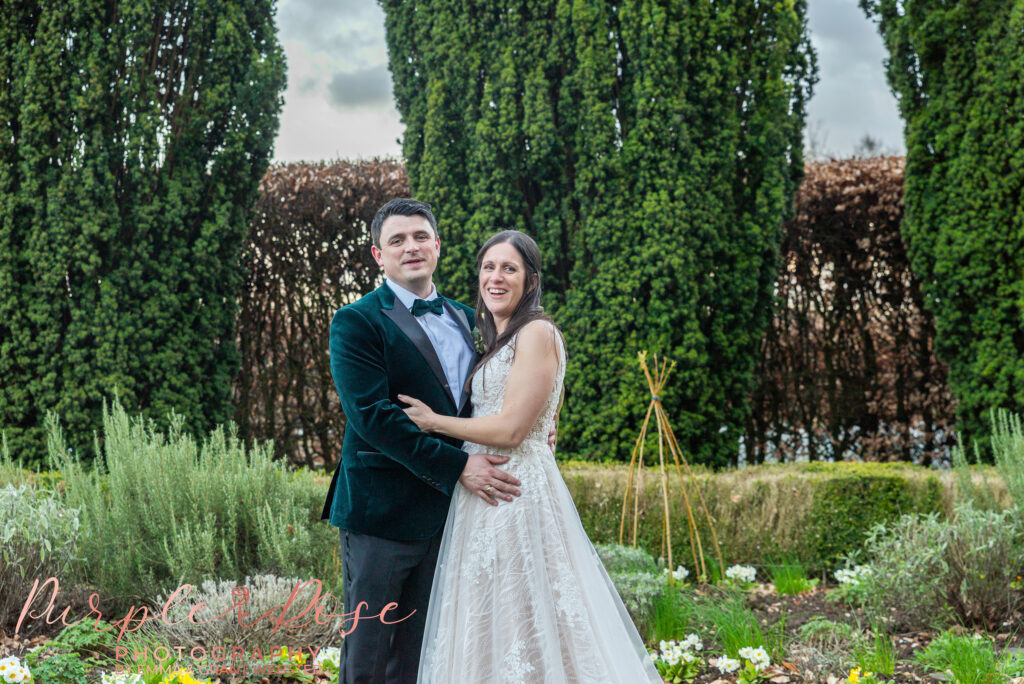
{"points": [[538, 337]]}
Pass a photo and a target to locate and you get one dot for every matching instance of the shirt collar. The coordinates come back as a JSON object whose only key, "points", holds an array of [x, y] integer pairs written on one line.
{"points": [[407, 298]]}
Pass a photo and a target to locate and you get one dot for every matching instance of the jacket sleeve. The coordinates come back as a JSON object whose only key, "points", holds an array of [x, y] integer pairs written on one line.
{"points": [[361, 378]]}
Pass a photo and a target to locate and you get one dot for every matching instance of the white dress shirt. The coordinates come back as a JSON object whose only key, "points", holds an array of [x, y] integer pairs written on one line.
{"points": [[445, 333]]}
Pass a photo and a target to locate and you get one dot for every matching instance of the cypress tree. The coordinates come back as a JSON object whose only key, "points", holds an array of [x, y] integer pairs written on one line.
{"points": [[956, 69], [135, 136], [651, 148]]}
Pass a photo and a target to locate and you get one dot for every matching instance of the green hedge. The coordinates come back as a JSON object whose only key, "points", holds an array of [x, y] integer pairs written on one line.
{"points": [[813, 513]]}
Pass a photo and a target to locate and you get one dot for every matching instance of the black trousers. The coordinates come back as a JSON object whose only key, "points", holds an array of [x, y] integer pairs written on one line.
{"points": [[378, 572]]}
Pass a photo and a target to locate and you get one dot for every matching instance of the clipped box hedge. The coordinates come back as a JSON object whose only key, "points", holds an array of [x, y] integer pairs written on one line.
{"points": [[812, 513]]}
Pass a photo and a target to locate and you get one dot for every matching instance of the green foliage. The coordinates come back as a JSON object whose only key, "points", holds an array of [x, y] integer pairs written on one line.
{"points": [[1007, 441], [267, 595], [764, 513], [933, 571], [652, 149], [827, 634], [669, 618], [159, 509], [967, 658], [858, 496], [37, 541], [956, 70], [59, 668], [725, 615], [877, 656], [791, 578], [132, 139], [619, 559]]}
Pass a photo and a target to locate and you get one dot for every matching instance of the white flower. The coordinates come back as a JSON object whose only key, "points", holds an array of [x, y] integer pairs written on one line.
{"points": [[679, 574], [692, 643], [331, 654], [854, 575], [741, 573], [121, 678], [11, 670], [727, 665], [747, 653]]}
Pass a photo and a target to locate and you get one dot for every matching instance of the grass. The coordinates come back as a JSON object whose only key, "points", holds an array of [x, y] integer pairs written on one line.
{"points": [[879, 655], [969, 659], [669, 617], [791, 578], [725, 615]]}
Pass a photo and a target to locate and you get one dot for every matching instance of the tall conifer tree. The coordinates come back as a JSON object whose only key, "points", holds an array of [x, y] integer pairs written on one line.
{"points": [[651, 147], [134, 136], [957, 70]]}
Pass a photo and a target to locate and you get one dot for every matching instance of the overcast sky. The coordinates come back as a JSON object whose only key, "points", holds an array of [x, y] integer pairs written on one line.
{"points": [[338, 103]]}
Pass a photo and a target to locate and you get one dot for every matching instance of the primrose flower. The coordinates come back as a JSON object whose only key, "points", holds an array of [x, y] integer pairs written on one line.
{"points": [[692, 642], [679, 574], [855, 675], [182, 676], [330, 656], [11, 670], [853, 575], [727, 665], [757, 657], [121, 678], [741, 573]]}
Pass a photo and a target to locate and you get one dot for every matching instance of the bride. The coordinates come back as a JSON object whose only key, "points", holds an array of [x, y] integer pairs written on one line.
{"points": [[519, 594]]}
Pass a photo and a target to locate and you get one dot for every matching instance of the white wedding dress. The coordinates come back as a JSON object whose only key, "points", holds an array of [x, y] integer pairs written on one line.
{"points": [[520, 594]]}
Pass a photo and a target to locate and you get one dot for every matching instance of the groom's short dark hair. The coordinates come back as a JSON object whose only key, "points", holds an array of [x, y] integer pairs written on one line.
{"points": [[401, 206]]}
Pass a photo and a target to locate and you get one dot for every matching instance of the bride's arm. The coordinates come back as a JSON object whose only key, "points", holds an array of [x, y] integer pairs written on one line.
{"points": [[530, 381]]}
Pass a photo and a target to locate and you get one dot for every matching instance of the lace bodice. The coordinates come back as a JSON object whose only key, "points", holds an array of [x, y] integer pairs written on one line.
{"points": [[488, 396]]}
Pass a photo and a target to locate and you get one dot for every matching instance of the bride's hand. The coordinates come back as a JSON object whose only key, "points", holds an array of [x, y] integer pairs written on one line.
{"points": [[420, 413]]}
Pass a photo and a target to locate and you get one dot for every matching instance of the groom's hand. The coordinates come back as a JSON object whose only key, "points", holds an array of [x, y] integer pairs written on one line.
{"points": [[483, 479]]}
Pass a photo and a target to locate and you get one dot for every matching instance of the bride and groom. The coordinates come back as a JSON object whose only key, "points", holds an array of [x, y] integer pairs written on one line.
{"points": [[447, 496]]}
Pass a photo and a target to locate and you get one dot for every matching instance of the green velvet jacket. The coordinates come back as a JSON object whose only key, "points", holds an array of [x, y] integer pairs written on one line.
{"points": [[394, 481]]}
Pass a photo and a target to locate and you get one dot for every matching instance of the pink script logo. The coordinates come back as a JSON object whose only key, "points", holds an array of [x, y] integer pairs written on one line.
{"points": [[138, 616]]}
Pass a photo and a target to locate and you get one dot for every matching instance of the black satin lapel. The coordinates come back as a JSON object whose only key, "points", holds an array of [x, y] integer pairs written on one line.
{"points": [[406, 322]]}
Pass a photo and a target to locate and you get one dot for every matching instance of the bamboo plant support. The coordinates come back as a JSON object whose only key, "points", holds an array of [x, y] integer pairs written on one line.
{"points": [[634, 478]]}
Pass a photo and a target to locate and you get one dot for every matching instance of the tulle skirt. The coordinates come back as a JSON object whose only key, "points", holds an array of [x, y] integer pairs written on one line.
{"points": [[520, 594]]}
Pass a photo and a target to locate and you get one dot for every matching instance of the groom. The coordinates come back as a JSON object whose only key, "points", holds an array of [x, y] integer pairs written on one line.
{"points": [[390, 493]]}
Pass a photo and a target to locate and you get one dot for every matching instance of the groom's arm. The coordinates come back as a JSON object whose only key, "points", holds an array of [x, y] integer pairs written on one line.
{"points": [[360, 376]]}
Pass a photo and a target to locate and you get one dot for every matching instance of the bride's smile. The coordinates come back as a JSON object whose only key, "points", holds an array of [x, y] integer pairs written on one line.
{"points": [[502, 281]]}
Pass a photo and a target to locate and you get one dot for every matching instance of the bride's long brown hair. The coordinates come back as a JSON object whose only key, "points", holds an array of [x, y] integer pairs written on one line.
{"points": [[528, 309]]}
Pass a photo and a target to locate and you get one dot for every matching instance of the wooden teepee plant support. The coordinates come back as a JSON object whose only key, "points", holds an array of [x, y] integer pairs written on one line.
{"points": [[634, 479]]}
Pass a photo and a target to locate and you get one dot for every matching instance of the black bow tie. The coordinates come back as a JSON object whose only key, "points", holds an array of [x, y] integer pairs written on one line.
{"points": [[422, 306]]}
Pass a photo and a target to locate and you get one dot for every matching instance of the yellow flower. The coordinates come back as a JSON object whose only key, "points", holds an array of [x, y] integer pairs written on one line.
{"points": [[854, 676]]}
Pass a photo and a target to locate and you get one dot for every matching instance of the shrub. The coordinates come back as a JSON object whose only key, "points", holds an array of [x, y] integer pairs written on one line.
{"points": [[618, 559], [37, 541], [811, 513], [1007, 440], [265, 593], [159, 509], [639, 592], [308, 253], [932, 571]]}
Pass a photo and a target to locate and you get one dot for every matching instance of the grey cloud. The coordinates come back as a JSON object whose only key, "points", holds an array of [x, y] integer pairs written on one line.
{"points": [[363, 88], [852, 97], [335, 26]]}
